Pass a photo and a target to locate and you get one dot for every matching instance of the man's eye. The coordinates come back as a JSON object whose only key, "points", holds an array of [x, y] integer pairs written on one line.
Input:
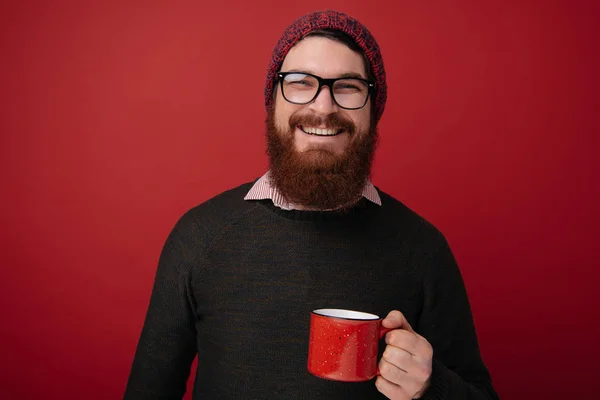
{"points": [[301, 83], [347, 86]]}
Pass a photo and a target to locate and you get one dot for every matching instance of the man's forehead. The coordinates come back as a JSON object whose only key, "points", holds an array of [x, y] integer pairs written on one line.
{"points": [[323, 56]]}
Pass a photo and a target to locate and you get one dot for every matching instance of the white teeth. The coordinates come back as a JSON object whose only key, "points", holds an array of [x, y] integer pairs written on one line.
{"points": [[319, 131]]}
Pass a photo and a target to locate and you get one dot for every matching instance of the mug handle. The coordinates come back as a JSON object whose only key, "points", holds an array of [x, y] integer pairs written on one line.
{"points": [[382, 333]]}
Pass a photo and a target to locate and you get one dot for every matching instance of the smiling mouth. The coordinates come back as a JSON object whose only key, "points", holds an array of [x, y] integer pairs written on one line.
{"points": [[320, 131]]}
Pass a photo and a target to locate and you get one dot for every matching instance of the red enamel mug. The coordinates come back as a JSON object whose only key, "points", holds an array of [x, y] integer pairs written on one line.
{"points": [[343, 344]]}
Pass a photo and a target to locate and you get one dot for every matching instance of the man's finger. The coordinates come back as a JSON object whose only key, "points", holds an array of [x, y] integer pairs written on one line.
{"points": [[407, 341], [396, 320]]}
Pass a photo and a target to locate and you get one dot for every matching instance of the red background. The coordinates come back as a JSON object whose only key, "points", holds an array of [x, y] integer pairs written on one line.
{"points": [[118, 116]]}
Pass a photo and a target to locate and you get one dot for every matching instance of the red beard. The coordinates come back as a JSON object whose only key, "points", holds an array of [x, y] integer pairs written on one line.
{"points": [[318, 178]]}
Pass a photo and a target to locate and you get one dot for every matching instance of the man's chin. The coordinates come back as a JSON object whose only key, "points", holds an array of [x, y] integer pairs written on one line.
{"points": [[317, 158]]}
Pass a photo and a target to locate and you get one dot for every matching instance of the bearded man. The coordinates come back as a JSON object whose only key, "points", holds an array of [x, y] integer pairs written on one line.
{"points": [[240, 274]]}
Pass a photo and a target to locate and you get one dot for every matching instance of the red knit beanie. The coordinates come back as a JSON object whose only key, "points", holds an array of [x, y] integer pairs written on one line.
{"points": [[336, 21]]}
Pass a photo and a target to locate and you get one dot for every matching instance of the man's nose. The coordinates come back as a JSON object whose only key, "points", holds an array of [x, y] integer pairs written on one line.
{"points": [[324, 103]]}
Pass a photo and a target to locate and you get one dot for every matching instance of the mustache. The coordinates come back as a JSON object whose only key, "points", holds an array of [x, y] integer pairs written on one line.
{"points": [[332, 121]]}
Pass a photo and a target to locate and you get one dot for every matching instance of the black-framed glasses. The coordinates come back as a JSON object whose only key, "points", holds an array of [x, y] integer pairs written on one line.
{"points": [[303, 88]]}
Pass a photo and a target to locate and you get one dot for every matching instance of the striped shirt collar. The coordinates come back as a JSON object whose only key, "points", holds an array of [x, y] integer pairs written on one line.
{"points": [[263, 189]]}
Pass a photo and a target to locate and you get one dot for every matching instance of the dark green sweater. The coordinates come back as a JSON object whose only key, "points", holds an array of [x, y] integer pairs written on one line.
{"points": [[236, 282]]}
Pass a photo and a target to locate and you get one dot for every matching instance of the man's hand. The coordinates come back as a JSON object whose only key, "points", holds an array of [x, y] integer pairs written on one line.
{"points": [[405, 367]]}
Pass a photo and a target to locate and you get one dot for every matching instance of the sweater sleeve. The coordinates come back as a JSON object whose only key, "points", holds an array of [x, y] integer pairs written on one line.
{"points": [[167, 345], [458, 371]]}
